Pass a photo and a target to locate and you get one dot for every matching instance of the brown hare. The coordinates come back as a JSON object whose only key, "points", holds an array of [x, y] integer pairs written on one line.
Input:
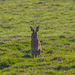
{"points": [[35, 43]]}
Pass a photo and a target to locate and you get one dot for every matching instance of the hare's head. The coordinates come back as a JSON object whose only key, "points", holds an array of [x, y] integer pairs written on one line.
{"points": [[34, 33]]}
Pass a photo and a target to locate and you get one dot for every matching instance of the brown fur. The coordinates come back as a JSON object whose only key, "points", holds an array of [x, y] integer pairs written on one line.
{"points": [[35, 43]]}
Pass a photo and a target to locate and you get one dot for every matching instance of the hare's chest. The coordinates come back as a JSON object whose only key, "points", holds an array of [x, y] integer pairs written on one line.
{"points": [[34, 44]]}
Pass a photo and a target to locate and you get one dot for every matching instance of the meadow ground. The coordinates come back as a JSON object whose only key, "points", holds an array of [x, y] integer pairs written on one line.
{"points": [[56, 20]]}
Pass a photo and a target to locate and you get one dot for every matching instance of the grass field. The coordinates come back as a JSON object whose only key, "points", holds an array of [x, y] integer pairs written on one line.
{"points": [[56, 20]]}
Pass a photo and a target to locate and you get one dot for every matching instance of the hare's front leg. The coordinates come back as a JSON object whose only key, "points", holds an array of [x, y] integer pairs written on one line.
{"points": [[32, 54], [35, 54]]}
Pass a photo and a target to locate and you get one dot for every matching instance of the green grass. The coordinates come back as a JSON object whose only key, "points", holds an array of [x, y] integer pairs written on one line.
{"points": [[56, 20]]}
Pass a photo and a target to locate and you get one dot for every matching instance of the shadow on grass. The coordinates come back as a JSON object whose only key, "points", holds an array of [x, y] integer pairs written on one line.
{"points": [[65, 68], [26, 56], [73, 40], [49, 52], [49, 73], [62, 36], [57, 58], [4, 65]]}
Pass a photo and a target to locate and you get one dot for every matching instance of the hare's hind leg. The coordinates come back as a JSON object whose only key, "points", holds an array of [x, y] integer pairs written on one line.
{"points": [[38, 53]]}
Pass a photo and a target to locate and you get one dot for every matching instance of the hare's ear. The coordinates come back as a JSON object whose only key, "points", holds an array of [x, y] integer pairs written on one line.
{"points": [[32, 29], [37, 29]]}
